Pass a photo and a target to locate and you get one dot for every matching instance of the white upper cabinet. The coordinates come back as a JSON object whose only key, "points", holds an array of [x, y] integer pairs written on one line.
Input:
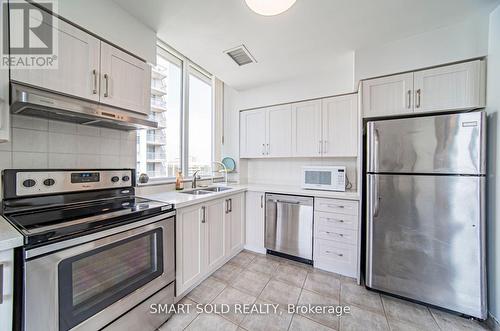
{"points": [[318, 128], [253, 133], [306, 128], [340, 126], [450, 87], [279, 131], [4, 105], [77, 72], [125, 80], [91, 69], [388, 96]]}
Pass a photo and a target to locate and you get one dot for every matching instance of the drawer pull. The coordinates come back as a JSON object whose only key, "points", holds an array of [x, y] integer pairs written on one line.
{"points": [[335, 220], [339, 254], [336, 206], [338, 234]]}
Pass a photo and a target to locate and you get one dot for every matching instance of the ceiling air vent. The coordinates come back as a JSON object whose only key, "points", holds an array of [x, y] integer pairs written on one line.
{"points": [[240, 55]]}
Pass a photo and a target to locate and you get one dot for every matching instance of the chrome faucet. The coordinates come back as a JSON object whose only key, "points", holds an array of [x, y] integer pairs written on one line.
{"points": [[225, 171], [195, 179]]}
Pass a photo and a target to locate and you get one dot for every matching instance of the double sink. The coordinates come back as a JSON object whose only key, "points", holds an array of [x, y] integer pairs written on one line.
{"points": [[206, 190]]}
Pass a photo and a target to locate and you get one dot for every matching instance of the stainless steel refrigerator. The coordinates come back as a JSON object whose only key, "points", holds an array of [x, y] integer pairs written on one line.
{"points": [[425, 210]]}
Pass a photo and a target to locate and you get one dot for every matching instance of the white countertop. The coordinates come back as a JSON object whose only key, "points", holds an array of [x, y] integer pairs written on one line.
{"points": [[9, 237], [181, 200]]}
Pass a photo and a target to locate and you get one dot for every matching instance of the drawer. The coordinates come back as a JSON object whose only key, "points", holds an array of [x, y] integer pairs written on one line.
{"points": [[336, 257], [336, 221], [336, 206], [338, 235]]}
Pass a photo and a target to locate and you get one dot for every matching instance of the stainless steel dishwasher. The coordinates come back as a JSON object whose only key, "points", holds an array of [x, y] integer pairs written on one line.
{"points": [[289, 226]]}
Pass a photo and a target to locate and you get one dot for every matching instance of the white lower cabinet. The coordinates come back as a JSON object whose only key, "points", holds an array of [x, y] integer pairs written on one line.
{"points": [[254, 222], [6, 289], [336, 236], [207, 235]]}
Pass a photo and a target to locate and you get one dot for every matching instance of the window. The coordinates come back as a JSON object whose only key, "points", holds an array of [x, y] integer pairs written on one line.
{"points": [[182, 115], [200, 123]]}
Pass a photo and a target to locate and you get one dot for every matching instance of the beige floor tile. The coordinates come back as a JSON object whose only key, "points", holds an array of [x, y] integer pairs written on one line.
{"points": [[300, 323], [279, 321], [308, 298], [251, 282], [264, 265], [323, 283], [291, 274], [363, 320], [242, 260], [279, 292], [359, 296], [231, 296], [249, 254], [306, 267], [206, 291], [409, 312], [396, 325], [181, 320], [227, 272], [450, 322], [211, 322]]}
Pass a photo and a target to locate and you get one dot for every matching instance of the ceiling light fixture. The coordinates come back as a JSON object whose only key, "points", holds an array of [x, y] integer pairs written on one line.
{"points": [[269, 7]]}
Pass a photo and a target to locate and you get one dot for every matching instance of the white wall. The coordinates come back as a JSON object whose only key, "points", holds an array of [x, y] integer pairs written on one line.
{"points": [[109, 21], [337, 80], [493, 103], [468, 39]]}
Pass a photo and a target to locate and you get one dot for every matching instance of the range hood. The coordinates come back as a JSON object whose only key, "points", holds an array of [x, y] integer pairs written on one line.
{"points": [[30, 101]]}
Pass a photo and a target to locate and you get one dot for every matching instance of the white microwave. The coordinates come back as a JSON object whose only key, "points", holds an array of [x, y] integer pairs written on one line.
{"points": [[331, 178]]}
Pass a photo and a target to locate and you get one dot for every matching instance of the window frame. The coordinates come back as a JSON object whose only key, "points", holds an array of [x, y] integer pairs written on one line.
{"points": [[187, 67]]}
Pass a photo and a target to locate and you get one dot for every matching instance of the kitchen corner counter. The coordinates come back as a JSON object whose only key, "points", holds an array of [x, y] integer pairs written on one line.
{"points": [[9, 237], [297, 190]]}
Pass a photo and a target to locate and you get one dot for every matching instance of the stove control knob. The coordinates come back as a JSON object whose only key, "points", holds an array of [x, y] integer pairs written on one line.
{"points": [[125, 178], [49, 182], [114, 179], [29, 183]]}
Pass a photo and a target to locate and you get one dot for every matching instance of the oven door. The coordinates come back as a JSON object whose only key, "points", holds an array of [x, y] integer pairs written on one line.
{"points": [[89, 285]]}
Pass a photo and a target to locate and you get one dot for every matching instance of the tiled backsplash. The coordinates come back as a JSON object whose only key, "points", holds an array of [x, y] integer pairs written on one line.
{"points": [[289, 171], [42, 143]]}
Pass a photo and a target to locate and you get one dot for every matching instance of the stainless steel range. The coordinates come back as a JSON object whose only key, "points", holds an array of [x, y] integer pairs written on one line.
{"points": [[94, 256]]}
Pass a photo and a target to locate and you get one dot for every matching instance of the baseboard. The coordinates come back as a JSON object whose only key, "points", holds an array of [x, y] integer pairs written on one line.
{"points": [[492, 323], [260, 250]]}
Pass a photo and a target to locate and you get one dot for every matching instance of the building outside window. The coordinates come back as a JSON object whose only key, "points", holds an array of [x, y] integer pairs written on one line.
{"points": [[181, 103]]}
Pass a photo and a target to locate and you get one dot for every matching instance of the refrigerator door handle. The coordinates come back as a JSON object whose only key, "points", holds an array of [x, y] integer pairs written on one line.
{"points": [[375, 197], [369, 230]]}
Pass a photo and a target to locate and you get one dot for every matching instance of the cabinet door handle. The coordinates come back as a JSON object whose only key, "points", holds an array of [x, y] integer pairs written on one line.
{"points": [[227, 206], [263, 149], [94, 73], [1, 284], [267, 149], [409, 99], [261, 201], [203, 214], [319, 147], [325, 146], [106, 91], [230, 205], [419, 92]]}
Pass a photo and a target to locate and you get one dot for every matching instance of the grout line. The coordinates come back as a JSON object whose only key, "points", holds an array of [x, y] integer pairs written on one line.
{"points": [[385, 313], [434, 318]]}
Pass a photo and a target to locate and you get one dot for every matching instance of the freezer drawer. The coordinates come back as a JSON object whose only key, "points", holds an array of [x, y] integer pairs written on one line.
{"points": [[425, 239], [289, 225], [446, 144]]}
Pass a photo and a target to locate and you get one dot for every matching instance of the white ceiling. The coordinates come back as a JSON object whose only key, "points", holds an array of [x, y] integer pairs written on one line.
{"points": [[303, 40]]}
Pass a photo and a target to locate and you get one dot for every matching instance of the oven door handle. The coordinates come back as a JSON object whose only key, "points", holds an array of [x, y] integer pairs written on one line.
{"points": [[120, 232]]}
